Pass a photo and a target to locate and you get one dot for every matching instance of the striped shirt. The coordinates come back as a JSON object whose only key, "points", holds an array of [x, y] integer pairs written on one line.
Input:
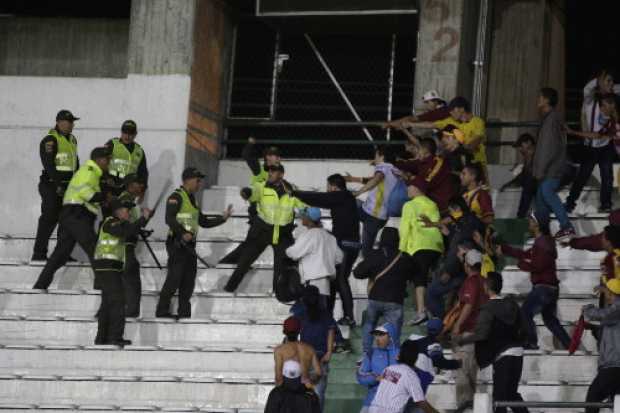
{"points": [[400, 383], [377, 199]]}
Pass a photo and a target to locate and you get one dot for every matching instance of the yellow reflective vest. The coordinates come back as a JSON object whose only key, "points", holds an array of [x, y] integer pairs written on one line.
{"points": [[124, 162], [109, 247], [188, 215], [84, 184], [274, 210], [66, 156], [414, 236]]}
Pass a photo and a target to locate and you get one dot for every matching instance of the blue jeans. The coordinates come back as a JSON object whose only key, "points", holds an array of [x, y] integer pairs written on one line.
{"points": [[370, 228], [391, 312], [436, 292], [543, 299], [547, 200], [321, 386]]}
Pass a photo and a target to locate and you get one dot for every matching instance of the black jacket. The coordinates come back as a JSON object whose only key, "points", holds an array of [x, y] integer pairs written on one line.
{"points": [[392, 285], [344, 210], [460, 231], [501, 325], [292, 397]]}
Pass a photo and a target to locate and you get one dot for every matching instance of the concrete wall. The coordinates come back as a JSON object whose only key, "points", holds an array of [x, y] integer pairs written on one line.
{"points": [[63, 47], [157, 103]]}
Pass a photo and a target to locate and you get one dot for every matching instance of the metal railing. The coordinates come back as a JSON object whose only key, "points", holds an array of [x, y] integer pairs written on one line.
{"points": [[483, 403]]}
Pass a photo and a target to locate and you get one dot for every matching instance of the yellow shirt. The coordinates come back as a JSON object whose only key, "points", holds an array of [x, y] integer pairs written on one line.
{"points": [[473, 129]]}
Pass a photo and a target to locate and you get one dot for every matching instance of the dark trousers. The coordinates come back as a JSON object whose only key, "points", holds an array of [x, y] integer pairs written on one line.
{"points": [[506, 376], [543, 299], [603, 157], [259, 238], [182, 267], [76, 225], [341, 284], [528, 194], [111, 314], [606, 384], [51, 204], [370, 228], [132, 282], [233, 256]]}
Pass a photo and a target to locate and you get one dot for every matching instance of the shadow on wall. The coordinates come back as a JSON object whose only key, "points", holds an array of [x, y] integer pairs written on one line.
{"points": [[19, 187], [163, 179]]}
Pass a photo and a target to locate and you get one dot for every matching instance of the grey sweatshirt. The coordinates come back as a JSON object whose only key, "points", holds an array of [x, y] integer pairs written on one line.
{"points": [[550, 156], [609, 346]]}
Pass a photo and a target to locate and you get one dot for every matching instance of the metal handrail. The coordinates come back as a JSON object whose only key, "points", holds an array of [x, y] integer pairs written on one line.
{"points": [[550, 405], [339, 142], [342, 124]]}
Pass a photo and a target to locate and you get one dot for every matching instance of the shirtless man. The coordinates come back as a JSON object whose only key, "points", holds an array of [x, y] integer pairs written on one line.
{"points": [[293, 349]]}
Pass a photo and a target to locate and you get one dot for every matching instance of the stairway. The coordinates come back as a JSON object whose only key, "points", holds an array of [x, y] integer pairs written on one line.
{"points": [[221, 360]]}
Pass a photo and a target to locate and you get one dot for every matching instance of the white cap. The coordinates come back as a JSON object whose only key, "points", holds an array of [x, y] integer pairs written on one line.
{"points": [[380, 329], [473, 257], [291, 369], [430, 95]]}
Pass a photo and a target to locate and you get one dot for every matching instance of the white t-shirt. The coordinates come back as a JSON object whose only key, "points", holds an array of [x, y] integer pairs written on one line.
{"points": [[377, 199], [400, 383]]}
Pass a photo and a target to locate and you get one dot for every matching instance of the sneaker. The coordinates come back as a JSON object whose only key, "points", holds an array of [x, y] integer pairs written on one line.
{"points": [[38, 258], [569, 207], [120, 343], [347, 321], [531, 346], [419, 319], [604, 210], [343, 347], [165, 315], [464, 407], [566, 233]]}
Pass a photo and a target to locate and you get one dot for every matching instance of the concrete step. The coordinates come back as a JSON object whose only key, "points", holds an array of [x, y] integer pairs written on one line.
{"points": [[187, 393], [259, 280], [200, 333], [122, 391], [99, 408], [151, 362], [214, 306]]}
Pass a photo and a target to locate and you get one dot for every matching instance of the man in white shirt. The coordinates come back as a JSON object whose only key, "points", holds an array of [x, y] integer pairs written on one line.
{"points": [[317, 252], [399, 383], [596, 151]]}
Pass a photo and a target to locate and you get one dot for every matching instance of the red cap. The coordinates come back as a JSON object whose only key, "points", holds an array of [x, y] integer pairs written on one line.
{"points": [[420, 183], [292, 325], [614, 217]]}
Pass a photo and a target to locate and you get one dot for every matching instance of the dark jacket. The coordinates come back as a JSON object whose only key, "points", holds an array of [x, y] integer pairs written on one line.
{"points": [[173, 206], [550, 156], [292, 397], [392, 285], [121, 229], [501, 325], [344, 210], [539, 260], [461, 230]]}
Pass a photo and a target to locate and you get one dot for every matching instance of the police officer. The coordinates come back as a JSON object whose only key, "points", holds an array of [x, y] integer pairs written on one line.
{"points": [[108, 263], [58, 151], [81, 205], [127, 157], [184, 218], [133, 194], [273, 225], [271, 156]]}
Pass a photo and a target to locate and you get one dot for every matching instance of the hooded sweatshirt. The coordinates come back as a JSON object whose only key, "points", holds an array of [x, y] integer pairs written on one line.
{"points": [[392, 285], [292, 396], [501, 325], [430, 357], [539, 260], [609, 345], [375, 362]]}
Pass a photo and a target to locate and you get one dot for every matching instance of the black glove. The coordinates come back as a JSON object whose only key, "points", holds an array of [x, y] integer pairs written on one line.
{"points": [[246, 193], [60, 190]]}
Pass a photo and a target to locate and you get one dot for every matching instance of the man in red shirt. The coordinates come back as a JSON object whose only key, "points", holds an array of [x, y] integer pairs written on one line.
{"points": [[471, 298], [434, 170], [437, 109], [477, 197]]}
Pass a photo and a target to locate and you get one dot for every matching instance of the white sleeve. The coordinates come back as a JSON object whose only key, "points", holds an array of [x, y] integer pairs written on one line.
{"points": [[414, 387], [588, 91], [301, 247]]}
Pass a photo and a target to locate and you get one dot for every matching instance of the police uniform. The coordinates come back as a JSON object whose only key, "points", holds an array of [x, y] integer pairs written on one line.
{"points": [[182, 216], [59, 157], [81, 205], [127, 158], [131, 274], [273, 226], [108, 264]]}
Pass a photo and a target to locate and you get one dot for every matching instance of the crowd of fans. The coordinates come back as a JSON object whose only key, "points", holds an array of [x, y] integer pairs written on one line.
{"points": [[447, 250]]}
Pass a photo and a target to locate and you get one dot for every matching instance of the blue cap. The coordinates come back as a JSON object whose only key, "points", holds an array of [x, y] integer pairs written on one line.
{"points": [[434, 326], [312, 213]]}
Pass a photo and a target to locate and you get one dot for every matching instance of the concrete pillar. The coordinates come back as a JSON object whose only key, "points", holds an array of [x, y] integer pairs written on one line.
{"points": [[446, 47], [527, 53], [212, 51], [160, 36]]}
